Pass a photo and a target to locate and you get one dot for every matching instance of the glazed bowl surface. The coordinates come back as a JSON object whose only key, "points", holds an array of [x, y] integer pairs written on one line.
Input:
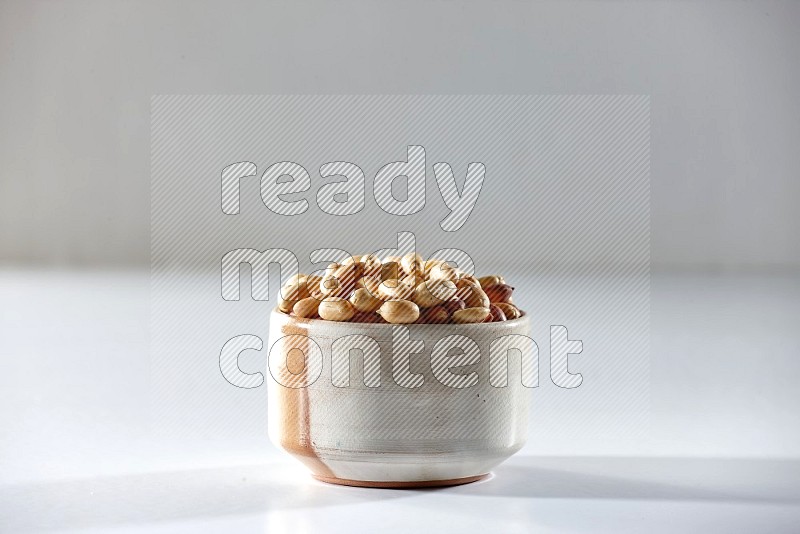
{"points": [[398, 405]]}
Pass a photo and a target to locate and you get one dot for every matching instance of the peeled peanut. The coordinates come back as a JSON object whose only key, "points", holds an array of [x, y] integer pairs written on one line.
{"points": [[472, 294], [486, 281], [466, 282], [399, 311], [298, 279], [470, 315], [351, 260], [433, 292], [307, 307], [291, 291], [430, 265], [412, 280], [348, 271], [468, 278], [336, 309], [285, 305], [363, 301], [499, 292], [340, 282], [363, 288], [370, 284], [412, 263], [313, 286], [294, 289], [510, 311], [394, 289], [370, 265], [358, 269], [331, 286], [478, 299], [443, 271]]}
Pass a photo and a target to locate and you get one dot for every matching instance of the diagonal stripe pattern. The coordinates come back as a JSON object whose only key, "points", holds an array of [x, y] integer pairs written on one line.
{"points": [[563, 211]]}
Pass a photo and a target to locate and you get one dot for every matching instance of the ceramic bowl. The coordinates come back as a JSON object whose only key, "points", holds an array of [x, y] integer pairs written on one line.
{"points": [[385, 405]]}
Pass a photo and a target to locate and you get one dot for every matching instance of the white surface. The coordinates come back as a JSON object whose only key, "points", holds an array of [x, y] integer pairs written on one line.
{"points": [[527, 494], [77, 449], [77, 78]]}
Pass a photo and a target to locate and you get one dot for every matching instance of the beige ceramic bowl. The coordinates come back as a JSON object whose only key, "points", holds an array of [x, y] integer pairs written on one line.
{"points": [[395, 419]]}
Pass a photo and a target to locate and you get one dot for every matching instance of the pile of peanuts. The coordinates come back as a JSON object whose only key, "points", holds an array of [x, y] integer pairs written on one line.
{"points": [[398, 290]]}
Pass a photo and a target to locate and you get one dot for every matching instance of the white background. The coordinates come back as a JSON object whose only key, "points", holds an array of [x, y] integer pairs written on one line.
{"points": [[77, 77]]}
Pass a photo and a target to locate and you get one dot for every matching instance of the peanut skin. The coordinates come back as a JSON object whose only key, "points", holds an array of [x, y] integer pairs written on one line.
{"points": [[453, 305], [496, 313], [434, 315], [499, 293]]}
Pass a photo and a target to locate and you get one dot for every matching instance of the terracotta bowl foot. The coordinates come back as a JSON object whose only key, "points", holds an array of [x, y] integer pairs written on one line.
{"points": [[400, 484]]}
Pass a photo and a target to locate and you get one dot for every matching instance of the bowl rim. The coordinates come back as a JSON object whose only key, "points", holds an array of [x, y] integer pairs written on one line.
{"points": [[346, 324]]}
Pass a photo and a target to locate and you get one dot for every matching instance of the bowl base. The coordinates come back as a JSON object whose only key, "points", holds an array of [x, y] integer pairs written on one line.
{"points": [[404, 484]]}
